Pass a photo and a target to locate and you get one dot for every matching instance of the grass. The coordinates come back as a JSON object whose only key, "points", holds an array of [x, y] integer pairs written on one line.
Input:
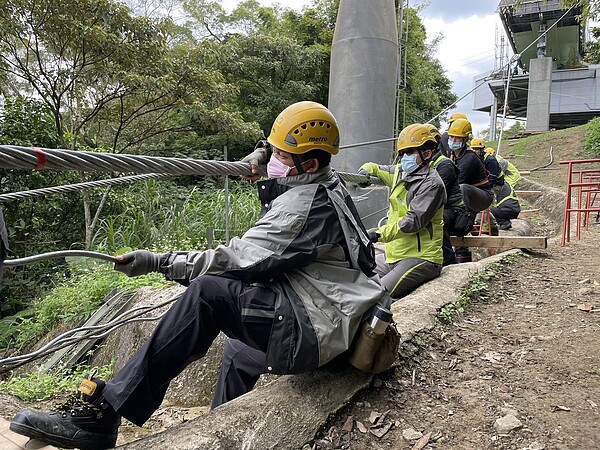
{"points": [[476, 288], [39, 386], [72, 301]]}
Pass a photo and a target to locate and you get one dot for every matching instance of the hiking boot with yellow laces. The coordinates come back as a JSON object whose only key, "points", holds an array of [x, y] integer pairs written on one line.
{"points": [[86, 421]]}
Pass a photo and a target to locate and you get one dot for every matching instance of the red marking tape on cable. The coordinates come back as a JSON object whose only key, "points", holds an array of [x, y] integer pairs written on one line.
{"points": [[41, 157]]}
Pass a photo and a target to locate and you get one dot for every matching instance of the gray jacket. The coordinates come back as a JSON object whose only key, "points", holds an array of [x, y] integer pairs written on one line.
{"points": [[310, 247]]}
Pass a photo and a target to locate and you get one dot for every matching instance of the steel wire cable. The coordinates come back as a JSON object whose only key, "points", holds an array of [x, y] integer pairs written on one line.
{"points": [[16, 157], [58, 254], [66, 339], [77, 186]]}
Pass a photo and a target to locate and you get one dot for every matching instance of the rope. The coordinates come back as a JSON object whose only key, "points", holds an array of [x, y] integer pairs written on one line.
{"points": [[58, 254], [545, 165], [75, 187]]}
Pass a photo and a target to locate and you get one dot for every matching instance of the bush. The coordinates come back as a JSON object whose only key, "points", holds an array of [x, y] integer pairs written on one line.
{"points": [[591, 141], [68, 304]]}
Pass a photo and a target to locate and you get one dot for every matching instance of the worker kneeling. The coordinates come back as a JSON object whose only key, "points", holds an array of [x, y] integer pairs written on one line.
{"points": [[294, 288], [413, 233]]}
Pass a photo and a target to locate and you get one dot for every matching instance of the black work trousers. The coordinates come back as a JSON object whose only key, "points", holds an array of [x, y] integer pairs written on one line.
{"points": [[209, 305], [241, 368]]}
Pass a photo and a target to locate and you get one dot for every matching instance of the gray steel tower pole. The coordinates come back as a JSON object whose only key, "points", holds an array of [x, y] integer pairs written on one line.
{"points": [[362, 86]]}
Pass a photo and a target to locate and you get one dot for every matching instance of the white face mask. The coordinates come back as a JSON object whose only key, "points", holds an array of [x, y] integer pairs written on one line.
{"points": [[277, 169]]}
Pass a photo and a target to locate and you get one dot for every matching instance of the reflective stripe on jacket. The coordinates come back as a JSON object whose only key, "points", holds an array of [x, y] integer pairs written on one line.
{"points": [[414, 225], [302, 250]]}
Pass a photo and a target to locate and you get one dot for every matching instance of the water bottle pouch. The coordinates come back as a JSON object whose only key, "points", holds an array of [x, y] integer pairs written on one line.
{"points": [[374, 353]]}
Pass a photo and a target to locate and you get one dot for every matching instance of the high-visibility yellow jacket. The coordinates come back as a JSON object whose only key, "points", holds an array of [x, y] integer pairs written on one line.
{"points": [[414, 225]]}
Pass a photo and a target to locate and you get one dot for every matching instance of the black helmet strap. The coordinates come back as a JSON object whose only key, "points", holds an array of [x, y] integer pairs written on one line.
{"points": [[298, 164]]}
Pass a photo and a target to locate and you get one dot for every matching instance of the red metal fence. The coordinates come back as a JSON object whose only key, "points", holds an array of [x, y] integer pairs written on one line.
{"points": [[584, 183]]}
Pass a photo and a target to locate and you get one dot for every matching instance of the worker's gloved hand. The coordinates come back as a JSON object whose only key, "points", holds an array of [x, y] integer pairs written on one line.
{"points": [[366, 174], [258, 159], [373, 236], [497, 190], [139, 262]]}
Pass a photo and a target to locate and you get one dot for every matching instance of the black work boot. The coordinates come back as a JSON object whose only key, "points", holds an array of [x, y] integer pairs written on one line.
{"points": [[86, 421]]}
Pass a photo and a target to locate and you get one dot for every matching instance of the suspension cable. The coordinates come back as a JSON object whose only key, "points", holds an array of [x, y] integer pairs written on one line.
{"points": [[10, 196], [16, 157]]}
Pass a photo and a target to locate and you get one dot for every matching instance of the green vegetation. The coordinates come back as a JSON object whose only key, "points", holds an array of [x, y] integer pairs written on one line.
{"points": [[73, 300], [476, 288], [105, 76], [591, 142], [38, 386]]}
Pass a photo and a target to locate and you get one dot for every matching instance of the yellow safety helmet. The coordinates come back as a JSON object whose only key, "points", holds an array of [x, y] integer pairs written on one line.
{"points": [[414, 136], [460, 128], [435, 133], [456, 115], [477, 143], [305, 126], [490, 151]]}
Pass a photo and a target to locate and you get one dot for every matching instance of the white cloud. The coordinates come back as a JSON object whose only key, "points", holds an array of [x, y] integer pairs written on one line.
{"points": [[467, 49]]}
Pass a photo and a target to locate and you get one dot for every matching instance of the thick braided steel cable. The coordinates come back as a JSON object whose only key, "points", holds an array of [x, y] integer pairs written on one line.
{"points": [[77, 187], [58, 254], [16, 157]]}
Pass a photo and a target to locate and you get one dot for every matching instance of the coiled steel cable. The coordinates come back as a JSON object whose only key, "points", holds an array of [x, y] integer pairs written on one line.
{"points": [[93, 332]]}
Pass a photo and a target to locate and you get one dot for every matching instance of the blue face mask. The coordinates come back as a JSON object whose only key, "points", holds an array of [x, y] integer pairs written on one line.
{"points": [[409, 163], [454, 145]]}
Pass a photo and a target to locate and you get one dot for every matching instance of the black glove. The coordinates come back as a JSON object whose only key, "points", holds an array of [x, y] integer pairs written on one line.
{"points": [[139, 262], [366, 174], [373, 236]]}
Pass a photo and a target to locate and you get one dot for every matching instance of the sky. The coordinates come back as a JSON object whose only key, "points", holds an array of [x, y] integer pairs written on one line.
{"points": [[467, 47]]}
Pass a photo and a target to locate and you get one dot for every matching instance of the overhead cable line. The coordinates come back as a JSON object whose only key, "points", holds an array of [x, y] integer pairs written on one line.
{"points": [[513, 59], [77, 187]]}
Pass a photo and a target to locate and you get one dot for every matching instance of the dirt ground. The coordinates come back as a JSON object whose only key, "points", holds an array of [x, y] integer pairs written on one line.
{"points": [[525, 354]]}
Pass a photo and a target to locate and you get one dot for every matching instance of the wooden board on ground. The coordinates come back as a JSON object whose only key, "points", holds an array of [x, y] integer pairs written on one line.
{"points": [[529, 213], [14, 441], [113, 304], [537, 242], [529, 193]]}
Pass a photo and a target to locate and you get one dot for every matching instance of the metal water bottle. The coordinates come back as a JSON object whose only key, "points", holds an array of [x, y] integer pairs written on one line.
{"points": [[380, 319]]}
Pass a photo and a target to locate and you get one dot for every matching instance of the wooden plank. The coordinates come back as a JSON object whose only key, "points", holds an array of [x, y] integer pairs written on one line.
{"points": [[529, 213], [525, 172], [14, 441], [530, 193], [113, 305], [537, 242]]}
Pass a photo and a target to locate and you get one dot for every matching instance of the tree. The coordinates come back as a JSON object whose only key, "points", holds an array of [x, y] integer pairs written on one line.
{"points": [[109, 78]]}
